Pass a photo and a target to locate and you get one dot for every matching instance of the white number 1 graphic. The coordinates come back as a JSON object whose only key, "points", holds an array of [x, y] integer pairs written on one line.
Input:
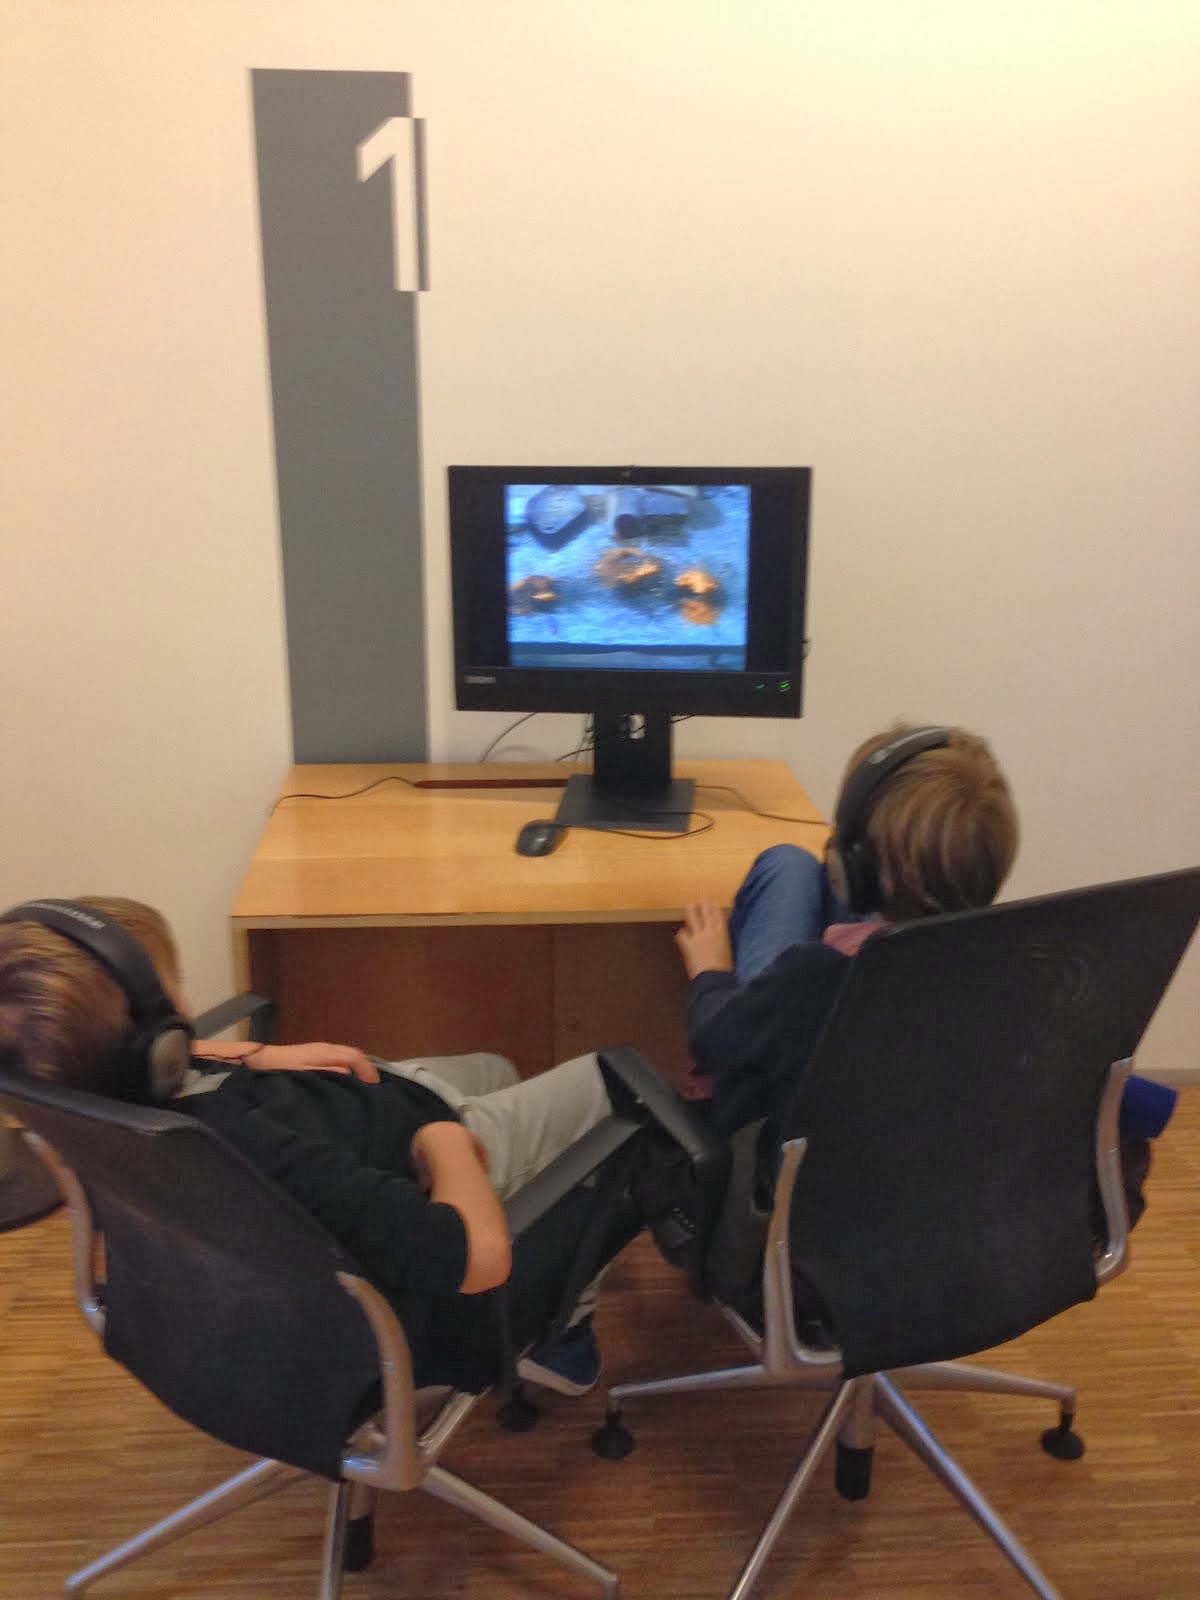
{"points": [[400, 140]]}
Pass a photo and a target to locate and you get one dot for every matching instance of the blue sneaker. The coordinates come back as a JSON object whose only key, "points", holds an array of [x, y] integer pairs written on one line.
{"points": [[569, 1364]]}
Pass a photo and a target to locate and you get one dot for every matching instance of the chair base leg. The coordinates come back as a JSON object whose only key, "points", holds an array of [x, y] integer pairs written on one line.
{"points": [[1062, 1442], [255, 1483], [613, 1440], [836, 1413], [904, 1421], [855, 1455], [333, 1555], [445, 1486], [755, 1377], [966, 1376], [849, 1420]]}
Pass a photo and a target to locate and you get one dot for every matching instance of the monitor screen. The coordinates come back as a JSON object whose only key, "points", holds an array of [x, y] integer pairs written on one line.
{"points": [[662, 592], [635, 589], [654, 580]]}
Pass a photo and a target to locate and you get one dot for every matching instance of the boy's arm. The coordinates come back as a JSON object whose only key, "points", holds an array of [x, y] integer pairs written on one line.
{"points": [[402, 1238], [316, 1056], [727, 1023], [448, 1156], [763, 1026]]}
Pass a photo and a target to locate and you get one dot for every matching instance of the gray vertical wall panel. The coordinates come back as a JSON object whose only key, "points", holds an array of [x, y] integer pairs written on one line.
{"points": [[343, 361]]}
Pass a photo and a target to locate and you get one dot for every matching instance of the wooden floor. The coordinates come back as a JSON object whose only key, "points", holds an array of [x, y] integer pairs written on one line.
{"points": [[86, 1458]]}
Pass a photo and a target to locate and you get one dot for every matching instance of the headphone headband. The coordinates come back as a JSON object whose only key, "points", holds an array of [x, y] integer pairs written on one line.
{"points": [[850, 858], [159, 1050], [874, 770]]}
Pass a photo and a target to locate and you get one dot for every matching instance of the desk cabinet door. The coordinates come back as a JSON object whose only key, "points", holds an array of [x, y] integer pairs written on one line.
{"points": [[400, 992], [620, 983], [537, 994]]}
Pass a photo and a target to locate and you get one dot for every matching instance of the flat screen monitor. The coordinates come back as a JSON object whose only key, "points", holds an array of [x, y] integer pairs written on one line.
{"points": [[636, 595]]}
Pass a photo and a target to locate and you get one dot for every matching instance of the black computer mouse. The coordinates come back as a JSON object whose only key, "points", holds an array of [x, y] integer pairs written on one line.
{"points": [[539, 838]]}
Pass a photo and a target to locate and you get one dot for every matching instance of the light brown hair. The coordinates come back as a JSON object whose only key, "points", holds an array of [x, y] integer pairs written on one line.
{"points": [[943, 826], [63, 1016]]}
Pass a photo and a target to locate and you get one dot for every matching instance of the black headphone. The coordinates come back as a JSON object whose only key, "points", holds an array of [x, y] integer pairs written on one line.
{"points": [[850, 855], [152, 1064]]}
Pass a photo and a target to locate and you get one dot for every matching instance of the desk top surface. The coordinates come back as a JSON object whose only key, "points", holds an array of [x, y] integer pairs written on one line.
{"points": [[399, 854]]}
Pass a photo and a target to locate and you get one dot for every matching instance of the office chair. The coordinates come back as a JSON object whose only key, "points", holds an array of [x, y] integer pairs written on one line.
{"points": [[237, 1310], [949, 1175]]}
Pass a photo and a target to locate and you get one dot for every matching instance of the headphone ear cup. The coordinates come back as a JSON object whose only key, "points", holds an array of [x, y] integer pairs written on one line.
{"points": [[860, 888], [835, 867], [860, 876], [159, 1061]]}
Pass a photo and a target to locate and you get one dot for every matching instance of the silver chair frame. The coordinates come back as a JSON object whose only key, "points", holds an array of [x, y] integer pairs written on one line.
{"points": [[856, 1404], [390, 1452]]}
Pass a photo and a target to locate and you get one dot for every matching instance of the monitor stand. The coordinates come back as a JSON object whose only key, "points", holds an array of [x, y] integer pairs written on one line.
{"points": [[630, 784]]}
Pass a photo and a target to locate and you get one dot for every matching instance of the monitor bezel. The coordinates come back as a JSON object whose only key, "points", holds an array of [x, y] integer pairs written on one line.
{"points": [[482, 686]]}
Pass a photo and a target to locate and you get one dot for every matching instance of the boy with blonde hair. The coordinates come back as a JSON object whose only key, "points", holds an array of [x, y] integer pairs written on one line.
{"points": [[405, 1163], [925, 823]]}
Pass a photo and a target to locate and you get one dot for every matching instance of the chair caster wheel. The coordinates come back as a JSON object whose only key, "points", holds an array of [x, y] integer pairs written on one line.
{"points": [[360, 1543], [518, 1413], [1063, 1443], [852, 1471], [613, 1439]]}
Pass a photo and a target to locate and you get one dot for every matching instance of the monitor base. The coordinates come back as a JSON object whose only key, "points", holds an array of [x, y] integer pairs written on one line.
{"points": [[657, 808]]}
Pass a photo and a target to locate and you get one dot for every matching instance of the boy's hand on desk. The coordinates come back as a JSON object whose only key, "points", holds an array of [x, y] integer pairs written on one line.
{"points": [[314, 1057], [703, 940]]}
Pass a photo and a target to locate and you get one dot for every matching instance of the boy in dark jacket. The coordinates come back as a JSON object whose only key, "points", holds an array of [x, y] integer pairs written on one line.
{"points": [[924, 823]]}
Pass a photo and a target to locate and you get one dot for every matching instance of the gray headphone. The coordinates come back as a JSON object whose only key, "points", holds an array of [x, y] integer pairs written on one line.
{"points": [[152, 1064]]}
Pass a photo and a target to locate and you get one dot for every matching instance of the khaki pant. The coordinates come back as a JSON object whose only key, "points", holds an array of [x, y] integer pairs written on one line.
{"points": [[522, 1123]]}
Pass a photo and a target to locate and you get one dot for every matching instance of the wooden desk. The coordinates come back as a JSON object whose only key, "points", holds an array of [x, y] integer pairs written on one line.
{"points": [[404, 921]]}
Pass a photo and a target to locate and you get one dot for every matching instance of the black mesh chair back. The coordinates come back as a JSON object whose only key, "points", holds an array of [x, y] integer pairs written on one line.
{"points": [[234, 1307], [945, 1201], [220, 1293], [949, 1179]]}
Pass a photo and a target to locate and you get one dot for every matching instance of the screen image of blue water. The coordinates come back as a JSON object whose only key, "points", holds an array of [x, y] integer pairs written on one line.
{"points": [[601, 575]]}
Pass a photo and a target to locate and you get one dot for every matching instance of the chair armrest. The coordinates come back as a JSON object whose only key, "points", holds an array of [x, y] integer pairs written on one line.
{"points": [[261, 1012], [566, 1172], [639, 1096], [606, 1154], [638, 1091]]}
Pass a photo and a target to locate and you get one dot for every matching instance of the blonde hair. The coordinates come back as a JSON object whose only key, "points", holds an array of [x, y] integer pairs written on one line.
{"points": [[63, 1016], [943, 826]]}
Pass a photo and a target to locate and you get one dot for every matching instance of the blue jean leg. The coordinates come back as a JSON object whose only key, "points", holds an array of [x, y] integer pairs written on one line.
{"points": [[785, 899]]}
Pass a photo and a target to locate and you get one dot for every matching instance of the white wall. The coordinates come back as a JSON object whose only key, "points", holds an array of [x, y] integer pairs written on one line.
{"points": [[143, 722], [945, 254]]}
